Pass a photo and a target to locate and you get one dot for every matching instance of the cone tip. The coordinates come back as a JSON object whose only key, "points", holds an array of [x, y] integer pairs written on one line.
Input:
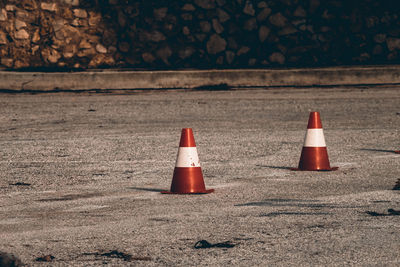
{"points": [[314, 121], [187, 138]]}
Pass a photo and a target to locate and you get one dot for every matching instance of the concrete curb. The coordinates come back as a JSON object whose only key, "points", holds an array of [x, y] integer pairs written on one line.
{"points": [[116, 79]]}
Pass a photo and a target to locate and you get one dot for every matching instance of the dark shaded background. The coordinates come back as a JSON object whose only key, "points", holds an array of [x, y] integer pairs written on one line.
{"points": [[329, 33]]}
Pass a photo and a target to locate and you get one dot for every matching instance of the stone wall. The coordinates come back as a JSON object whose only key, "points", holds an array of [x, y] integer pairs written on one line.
{"points": [[176, 34]]}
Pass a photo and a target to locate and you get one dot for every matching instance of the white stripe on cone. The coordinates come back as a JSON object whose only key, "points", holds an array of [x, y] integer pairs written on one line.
{"points": [[314, 138], [187, 157]]}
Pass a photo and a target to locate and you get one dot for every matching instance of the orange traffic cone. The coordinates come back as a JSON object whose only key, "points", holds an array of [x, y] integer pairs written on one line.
{"points": [[188, 177], [314, 155]]}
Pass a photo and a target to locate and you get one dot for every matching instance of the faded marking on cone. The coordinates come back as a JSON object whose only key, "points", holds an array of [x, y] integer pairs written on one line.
{"points": [[187, 157], [314, 138]]}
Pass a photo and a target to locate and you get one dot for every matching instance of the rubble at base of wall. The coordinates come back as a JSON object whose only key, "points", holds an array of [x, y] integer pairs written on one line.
{"points": [[85, 34]]}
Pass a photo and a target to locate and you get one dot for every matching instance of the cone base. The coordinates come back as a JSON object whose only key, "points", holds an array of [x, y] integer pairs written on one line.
{"points": [[324, 170], [189, 193], [188, 180], [314, 159]]}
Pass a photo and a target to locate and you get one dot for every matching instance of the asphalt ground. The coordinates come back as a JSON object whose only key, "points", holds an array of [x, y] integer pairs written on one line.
{"points": [[81, 176]]}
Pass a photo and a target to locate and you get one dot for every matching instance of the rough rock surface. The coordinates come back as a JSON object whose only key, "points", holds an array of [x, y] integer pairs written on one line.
{"points": [[197, 33]]}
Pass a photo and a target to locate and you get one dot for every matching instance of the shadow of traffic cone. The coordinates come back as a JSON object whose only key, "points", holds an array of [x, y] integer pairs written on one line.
{"points": [[314, 155], [188, 177], [397, 185]]}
